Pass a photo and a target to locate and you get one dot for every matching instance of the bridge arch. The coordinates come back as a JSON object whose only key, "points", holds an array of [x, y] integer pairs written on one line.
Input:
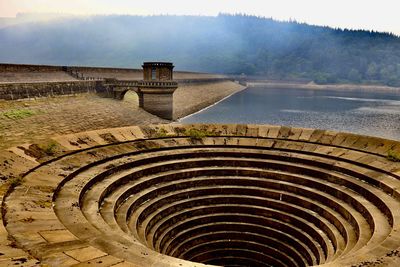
{"points": [[131, 96]]}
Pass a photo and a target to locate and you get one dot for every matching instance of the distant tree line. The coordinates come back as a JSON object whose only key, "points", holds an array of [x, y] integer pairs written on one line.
{"points": [[230, 44]]}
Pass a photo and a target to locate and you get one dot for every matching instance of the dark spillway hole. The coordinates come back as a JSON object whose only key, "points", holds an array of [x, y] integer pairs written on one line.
{"points": [[203, 245], [241, 245], [247, 247], [223, 248], [245, 231]]}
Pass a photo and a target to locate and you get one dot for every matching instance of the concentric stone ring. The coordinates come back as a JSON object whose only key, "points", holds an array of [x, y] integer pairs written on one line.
{"points": [[224, 195]]}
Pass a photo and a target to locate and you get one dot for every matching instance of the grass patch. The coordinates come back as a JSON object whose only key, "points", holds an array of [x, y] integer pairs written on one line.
{"points": [[161, 133], [17, 114], [393, 156], [49, 148], [196, 134]]}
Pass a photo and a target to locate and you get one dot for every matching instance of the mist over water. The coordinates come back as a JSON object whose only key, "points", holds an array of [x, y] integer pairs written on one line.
{"points": [[362, 112]]}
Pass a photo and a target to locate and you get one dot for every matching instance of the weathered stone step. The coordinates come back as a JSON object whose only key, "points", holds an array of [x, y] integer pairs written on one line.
{"points": [[286, 167], [208, 203], [263, 181], [234, 181], [172, 156], [169, 223]]}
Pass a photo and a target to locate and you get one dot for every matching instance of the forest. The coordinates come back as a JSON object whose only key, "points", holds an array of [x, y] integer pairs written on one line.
{"points": [[227, 44]]}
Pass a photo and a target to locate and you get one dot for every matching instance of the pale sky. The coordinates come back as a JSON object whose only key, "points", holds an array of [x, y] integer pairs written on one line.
{"points": [[381, 15]]}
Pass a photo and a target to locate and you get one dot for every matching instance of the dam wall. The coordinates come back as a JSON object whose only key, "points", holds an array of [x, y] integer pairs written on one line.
{"points": [[19, 81]]}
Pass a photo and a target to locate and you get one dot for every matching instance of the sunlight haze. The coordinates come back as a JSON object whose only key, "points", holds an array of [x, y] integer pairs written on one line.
{"points": [[356, 14]]}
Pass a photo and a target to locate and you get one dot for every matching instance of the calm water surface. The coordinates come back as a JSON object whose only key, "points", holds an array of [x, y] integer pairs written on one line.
{"points": [[363, 112]]}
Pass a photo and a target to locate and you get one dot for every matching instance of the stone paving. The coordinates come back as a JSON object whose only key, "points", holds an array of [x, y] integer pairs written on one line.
{"points": [[63, 115]]}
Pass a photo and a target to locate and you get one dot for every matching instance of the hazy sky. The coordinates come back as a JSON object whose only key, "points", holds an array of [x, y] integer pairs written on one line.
{"points": [[382, 15]]}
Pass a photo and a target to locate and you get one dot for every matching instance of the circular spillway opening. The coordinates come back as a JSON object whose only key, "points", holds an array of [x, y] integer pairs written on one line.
{"points": [[229, 196], [226, 206]]}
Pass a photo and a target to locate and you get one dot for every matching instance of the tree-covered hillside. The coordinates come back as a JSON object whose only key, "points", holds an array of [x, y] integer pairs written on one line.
{"points": [[223, 44]]}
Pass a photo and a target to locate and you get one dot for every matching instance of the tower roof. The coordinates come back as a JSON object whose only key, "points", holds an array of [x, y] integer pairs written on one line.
{"points": [[159, 64]]}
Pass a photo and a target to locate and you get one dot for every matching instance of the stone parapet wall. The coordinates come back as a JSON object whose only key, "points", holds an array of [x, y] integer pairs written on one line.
{"points": [[5, 67], [201, 81], [14, 91], [28, 68], [103, 69], [26, 73]]}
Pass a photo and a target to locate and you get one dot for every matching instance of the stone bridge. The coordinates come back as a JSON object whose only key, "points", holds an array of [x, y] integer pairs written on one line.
{"points": [[155, 96], [119, 88]]}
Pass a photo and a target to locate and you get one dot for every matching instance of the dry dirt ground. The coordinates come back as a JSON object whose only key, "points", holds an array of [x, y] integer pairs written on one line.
{"points": [[28, 121]]}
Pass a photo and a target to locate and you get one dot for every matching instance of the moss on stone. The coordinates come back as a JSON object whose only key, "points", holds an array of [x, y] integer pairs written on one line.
{"points": [[50, 148], [393, 156], [161, 133], [196, 134], [17, 114]]}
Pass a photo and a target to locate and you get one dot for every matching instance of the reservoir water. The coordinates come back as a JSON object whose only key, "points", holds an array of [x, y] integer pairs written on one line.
{"points": [[364, 112]]}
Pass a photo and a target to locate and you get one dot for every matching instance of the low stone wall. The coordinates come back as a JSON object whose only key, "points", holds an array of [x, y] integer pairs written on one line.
{"points": [[92, 72], [201, 81], [47, 68], [28, 67], [14, 91]]}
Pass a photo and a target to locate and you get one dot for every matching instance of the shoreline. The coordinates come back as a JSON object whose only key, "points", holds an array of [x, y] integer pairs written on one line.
{"points": [[207, 107]]}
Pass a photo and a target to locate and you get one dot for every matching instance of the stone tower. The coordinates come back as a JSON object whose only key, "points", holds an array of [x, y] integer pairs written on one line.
{"points": [[157, 88]]}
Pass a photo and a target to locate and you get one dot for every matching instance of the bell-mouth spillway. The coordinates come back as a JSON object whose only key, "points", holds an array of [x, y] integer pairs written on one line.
{"points": [[223, 195]]}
